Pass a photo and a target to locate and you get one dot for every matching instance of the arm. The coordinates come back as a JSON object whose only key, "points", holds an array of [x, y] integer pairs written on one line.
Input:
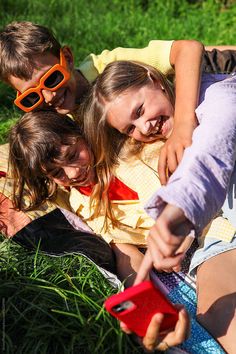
{"points": [[197, 189], [200, 183], [220, 47], [156, 53], [128, 261], [185, 57]]}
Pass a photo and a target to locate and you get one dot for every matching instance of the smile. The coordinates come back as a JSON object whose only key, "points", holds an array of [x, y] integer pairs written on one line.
{"points": [[82, 178], [59, 101], [158, 127]]}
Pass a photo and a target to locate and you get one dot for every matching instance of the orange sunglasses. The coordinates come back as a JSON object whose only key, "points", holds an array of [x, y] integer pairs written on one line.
{"points": [[52, 80]]}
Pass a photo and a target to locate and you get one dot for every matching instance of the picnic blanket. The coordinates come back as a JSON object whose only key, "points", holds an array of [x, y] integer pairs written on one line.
{"points": [[181, 289]]}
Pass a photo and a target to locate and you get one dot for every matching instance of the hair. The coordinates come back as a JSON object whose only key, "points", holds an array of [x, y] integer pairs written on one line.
{"points": [[35, 144], [118, 77], [20, 45], [35, 150]]}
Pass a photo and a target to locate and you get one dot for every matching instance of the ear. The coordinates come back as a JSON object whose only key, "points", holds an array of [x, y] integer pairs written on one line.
{"points": [[152, 79], [69, 57], [156, 83]]}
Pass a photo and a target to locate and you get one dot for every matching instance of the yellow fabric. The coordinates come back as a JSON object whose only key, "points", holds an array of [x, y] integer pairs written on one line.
{"points": [[4, 150], [140, 175], [157, 54], [134, 222], [6, 189], [219, 228]]}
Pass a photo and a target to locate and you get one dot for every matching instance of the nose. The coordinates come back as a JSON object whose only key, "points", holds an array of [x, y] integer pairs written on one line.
{"points": [[145, 126], [48, 95], [71, 172]]}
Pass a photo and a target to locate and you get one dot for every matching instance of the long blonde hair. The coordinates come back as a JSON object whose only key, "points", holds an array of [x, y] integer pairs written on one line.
{"points": [[105, 140]]}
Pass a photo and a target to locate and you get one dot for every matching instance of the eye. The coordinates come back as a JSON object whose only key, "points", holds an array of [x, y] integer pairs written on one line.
{"points": [[73, 157], [130, 130], [139, 111], [57, 173]]}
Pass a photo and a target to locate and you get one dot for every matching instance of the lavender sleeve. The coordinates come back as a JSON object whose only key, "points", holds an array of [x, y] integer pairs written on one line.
{"points": [[199, 185]]}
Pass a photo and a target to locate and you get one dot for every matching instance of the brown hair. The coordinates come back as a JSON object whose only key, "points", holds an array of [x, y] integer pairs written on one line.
{"points": [[35, 151], [35, 144], [20, 44]]}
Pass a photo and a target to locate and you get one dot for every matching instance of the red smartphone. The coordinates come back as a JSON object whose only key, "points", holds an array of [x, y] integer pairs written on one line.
{"points": [[136, 305]]}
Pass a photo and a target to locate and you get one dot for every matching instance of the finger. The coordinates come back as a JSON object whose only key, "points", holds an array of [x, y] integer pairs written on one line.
{"points": [[144, 269], [177, 268], [172, 161], [125, 328], [162, 167], [179, 154], [185, 245], [150, 339], [167, 244], [159, 261], [168, 264], [182, 329]]}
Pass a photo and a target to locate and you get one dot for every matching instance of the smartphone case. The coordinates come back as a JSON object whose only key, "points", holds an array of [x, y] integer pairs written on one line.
{"points": [[136, 305]]}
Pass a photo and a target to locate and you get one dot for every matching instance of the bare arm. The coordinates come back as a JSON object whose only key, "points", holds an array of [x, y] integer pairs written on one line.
{"points": [[220, 47], [185, 57], [128, 261]]}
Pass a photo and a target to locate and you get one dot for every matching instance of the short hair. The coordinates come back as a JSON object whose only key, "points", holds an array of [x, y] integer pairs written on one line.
{"points": [[20, 44]]}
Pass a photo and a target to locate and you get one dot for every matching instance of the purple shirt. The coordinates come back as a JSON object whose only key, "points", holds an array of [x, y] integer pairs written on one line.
{"points": [[199, 184]]}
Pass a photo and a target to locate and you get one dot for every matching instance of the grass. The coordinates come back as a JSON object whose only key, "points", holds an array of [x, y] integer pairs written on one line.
{"points": [[54, 305]]}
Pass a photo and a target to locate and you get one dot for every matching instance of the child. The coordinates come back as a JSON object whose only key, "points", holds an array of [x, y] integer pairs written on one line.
{"points": [[58, 155], [141, 99], [138, 101], [46, 150]]}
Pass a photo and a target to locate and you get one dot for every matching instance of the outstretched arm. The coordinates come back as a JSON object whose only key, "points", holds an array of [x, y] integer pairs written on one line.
{"points": [[197, 189], [199, 185]]}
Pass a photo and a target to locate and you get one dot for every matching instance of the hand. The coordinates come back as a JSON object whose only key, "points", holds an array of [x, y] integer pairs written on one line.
{"points": [[11, 220], [162, 341], [166, 249], [172, 152]]}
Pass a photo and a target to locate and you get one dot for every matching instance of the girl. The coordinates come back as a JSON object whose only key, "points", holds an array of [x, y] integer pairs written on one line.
{"points": [[51, 148], [136, 100], [47, 149]]}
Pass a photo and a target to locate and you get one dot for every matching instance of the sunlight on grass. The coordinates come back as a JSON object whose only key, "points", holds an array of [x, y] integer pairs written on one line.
{"points": [[51, 298]]}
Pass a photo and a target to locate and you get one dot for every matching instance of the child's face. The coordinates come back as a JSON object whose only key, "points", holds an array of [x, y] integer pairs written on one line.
{"points": [[78, 170], [64, 99], [144, 114]]}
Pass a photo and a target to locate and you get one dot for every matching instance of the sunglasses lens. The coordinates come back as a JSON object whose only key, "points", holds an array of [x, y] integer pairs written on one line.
{"points": [[54, 79], [30, 99]]}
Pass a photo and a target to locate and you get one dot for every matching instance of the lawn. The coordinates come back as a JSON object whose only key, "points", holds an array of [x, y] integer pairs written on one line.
{"points": [[54, 305]]}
